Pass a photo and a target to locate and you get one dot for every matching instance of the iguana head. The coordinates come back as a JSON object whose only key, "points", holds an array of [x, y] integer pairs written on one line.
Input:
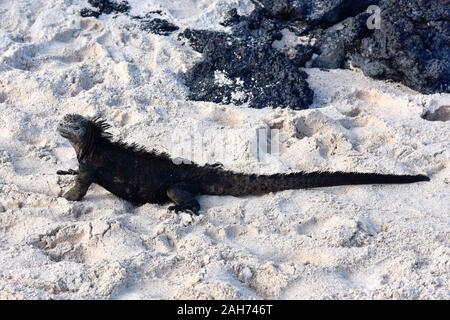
{"points": [[82, 132], [74, 128]]}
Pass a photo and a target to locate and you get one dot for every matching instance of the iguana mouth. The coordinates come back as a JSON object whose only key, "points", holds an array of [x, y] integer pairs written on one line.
{"points": [[63, 131]]}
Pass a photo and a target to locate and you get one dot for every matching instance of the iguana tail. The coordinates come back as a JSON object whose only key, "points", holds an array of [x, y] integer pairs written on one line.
{"points": [[236, 184]]}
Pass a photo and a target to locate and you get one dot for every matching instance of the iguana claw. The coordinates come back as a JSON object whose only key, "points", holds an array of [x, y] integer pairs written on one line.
{"points": [[215, 165], [186, 208]]}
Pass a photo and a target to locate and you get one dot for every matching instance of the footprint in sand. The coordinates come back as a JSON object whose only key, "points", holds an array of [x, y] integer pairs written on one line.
{"points": [[374, 97], [339, 231], [310, 123], [82, 242], [3, 97], [63, 243], [224, 116], [352, 112], [440, 114]]}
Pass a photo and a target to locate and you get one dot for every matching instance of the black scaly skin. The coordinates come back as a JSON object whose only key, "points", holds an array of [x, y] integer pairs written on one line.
{"points": [[141, 176]]}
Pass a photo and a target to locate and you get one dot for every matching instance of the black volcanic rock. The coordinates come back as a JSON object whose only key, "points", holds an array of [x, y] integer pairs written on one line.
{"points": [[146, 23], [238, 70], [336, 44], [156, 25], [245, 67], [106, 7], [412, 46], [323, 13]]}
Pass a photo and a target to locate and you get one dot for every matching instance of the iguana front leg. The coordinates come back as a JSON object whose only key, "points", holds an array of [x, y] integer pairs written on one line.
{"points": [[82, 184], [71, 172]]}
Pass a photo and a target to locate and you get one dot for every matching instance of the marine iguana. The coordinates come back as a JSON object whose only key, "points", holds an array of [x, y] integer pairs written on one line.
{"points": [[140, 176]]}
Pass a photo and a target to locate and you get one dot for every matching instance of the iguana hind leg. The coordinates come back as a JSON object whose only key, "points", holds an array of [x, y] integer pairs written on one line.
{"points": [[183, 195]]}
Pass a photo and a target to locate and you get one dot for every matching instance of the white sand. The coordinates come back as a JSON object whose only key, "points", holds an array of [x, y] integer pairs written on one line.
{"points": [[343, 242]]}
